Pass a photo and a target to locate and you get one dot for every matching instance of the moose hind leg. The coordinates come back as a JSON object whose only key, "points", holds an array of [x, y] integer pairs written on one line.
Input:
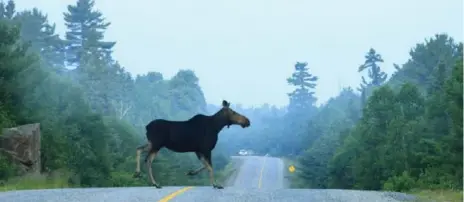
{"points": [[206, 159], [144, 147], [149, 160]]}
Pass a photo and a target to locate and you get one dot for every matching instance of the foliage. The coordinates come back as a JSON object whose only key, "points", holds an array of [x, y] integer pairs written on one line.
{"points": [[57, 179], [409, 134], [401, 133], [93, 116], [438, 195]]}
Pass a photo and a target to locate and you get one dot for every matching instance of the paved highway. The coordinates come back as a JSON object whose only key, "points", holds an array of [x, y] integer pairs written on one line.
{"points": [[259, 172], [259, 179]]}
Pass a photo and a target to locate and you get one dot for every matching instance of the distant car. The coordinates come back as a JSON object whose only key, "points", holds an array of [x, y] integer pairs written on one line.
{"points": [[243, 152]]}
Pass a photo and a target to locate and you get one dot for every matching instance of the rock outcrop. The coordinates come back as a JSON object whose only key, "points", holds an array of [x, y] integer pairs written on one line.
{"points": [[22, 146]]}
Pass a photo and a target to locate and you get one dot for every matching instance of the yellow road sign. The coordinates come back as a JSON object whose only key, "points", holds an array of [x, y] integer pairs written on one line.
{"points": [[291, 168]]}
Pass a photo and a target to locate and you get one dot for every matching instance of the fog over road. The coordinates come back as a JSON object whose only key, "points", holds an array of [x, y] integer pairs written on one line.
{"points": [[258, 179], [259, 172]]}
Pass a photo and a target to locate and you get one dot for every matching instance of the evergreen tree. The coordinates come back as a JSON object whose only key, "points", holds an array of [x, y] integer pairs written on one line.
{"points": [[13, 61], [85, 34], [36, 30], [421, 68], [300, 109], [376, 75], [2, 10], [302, 99], [454, 140], [184, 85], [9, 9]]}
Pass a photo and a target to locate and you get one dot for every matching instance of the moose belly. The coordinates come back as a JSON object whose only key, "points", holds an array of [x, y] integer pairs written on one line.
{"points": [[181, 147], [191, 144]]}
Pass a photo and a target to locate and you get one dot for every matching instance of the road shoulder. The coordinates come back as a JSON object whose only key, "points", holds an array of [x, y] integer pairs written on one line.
{"points": [[231, 171]]}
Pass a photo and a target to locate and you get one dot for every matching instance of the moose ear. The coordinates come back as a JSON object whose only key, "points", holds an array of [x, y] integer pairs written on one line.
{"points": [[225, 103]]}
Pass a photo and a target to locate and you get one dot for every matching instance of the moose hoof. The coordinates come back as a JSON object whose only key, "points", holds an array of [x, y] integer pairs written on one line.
{"points": [[156, 185], [136, 175], [216, 186], [190, 173]]}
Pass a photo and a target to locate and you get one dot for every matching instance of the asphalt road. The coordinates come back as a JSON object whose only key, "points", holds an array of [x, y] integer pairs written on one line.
{"points": [[259, 172], [259, 179]]}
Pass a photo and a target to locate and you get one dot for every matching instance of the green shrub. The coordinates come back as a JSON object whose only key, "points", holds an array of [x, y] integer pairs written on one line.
{"points": [[404, 182]]}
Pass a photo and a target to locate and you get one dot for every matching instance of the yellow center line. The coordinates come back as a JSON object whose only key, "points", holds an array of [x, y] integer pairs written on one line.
{"points": [[174, 194], [261, 173]]}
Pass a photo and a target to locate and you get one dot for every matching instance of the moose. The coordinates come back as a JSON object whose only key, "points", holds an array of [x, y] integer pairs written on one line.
{"points": [[199, 134]]}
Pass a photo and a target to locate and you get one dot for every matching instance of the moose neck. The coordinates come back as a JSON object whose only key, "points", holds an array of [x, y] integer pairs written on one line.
{"points": [[218, 122]]}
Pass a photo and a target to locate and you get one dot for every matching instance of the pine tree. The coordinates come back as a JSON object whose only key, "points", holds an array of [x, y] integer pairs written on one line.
{"points": [[2, 10], [302, 98], [377, 76], [10, 10], [85, 33], [36, 30]]}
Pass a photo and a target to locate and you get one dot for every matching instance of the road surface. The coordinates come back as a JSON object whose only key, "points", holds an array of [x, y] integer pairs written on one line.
{"points": [[259, 179]]}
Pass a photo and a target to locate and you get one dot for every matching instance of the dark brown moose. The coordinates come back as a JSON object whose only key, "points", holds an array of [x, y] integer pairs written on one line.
{"points": [[199, 134]]}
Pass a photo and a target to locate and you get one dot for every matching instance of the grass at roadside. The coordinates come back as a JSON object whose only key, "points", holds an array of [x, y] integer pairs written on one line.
{"points": [[422, 195], [291, 179], [228, 174], [438, 195], [35, 181], [60, 180]]}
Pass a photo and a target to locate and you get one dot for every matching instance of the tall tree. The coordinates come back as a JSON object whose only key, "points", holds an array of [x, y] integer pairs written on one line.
{"points": [[421, 68], [152, 96], [2, 10], [376, 75], [13, 61], [454, 155], [186, 94], [85, 34], [300, 110], [334, 120], [41, 35], [7, 10], [302, 98]]}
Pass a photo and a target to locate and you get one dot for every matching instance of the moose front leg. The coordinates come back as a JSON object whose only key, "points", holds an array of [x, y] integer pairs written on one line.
{"points": [[206, 159], [149, 160]]}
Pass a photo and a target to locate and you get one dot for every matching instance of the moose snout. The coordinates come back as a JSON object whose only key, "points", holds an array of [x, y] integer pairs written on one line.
{"points": [[246, 123]]}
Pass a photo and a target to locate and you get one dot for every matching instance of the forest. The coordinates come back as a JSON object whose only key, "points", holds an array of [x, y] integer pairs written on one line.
{"points": [[92, 116], [398, 132], [394, 132]]}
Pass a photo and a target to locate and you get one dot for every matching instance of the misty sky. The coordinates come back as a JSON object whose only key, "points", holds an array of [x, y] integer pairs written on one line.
{"points": [[243, 50]]}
